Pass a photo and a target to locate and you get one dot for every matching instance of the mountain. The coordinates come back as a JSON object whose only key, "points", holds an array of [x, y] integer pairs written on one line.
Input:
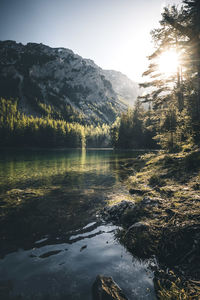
{"points": [[58, 82], [125, 88]]}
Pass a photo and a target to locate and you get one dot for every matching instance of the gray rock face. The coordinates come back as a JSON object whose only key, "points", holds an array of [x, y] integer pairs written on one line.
{"points": [[126, 89], [40, 76], [104, 288]]}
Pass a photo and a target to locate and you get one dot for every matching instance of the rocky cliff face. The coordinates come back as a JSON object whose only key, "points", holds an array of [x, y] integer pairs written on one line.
{"points": [[126, 89], [56, 79]]}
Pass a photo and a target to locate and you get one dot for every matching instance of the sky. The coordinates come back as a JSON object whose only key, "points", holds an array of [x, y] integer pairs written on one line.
{"points": [[113, 33]]}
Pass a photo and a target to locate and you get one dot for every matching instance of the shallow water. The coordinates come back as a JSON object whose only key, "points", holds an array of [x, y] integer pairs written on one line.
{"points": [[58, 246]]}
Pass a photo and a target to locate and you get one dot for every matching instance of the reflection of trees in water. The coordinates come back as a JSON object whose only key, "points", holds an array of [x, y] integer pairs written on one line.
{"points": [[42, 166], [76, 167]]}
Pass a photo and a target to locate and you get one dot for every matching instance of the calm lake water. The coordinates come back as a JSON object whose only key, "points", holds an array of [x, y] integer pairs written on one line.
{"points": [[53, 244]]}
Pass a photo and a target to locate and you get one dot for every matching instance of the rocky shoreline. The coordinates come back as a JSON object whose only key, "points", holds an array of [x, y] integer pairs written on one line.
{"points": [[164, 221]]}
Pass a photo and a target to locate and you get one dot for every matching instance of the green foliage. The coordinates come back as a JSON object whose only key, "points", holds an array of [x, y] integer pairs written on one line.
{"points": [[17, 129], [97, 136], [175, 98], [134, 129]]}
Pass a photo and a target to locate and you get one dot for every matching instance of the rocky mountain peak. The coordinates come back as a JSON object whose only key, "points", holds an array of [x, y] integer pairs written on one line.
{"points": [[40, 76]]}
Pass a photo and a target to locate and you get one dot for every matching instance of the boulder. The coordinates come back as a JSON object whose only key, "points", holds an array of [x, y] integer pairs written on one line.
{"points": [[139, 226], [115, 212], [147, 201], [104, 288], [142, 239]]}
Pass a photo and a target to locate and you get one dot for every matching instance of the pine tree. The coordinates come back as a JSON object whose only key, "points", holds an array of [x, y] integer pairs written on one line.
{"points": [[176, 99], [189, 28]]}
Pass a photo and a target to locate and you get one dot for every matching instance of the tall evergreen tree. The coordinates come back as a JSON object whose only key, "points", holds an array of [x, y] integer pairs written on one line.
{"points": [[176, 98], [189, 28]]}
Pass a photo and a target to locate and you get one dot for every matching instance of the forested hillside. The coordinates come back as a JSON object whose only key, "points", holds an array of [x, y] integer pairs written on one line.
{"points": [[17, 129], [53, 97]]}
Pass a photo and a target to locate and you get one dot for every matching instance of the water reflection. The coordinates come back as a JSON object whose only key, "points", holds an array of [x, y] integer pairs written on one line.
{"points": [[21, 167], [53, 270], [51, 239], [45, 192]]}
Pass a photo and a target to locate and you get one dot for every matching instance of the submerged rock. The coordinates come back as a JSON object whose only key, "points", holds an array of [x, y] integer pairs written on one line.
{"points": [[104, 288], [83, 247]]}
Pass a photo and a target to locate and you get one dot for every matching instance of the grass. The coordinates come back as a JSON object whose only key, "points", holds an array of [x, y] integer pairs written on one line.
{"points": [[173, 224]]}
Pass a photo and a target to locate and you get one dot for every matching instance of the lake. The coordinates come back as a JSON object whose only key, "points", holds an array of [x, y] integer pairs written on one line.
{"points": [[53, 244]]}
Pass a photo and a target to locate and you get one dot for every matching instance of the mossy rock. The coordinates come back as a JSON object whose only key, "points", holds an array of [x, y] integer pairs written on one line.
{"points": [[141, 239]]}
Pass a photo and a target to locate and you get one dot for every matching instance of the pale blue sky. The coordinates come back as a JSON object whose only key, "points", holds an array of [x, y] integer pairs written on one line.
{"points": [[114, 33]]}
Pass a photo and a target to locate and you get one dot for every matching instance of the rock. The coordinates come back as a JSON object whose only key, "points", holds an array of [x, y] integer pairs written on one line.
{"points": [[115, 212], [139, 226], [150, 201], [104, 288], [141, 239], [83, 247], [59, 74]]}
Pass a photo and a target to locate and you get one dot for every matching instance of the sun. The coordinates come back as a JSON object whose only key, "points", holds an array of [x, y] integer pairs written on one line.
{"points": [[168, 62]]}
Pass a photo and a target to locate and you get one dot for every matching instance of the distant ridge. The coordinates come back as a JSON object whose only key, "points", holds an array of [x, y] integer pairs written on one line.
{"points": [[41, 77]]}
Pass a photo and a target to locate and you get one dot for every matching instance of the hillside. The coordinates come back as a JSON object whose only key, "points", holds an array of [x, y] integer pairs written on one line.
{"points": [[126, 89], [58, 82]]}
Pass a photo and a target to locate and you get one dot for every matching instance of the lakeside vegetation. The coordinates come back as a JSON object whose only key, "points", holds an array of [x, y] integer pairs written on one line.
{"points": [[166, 191], [134, 130], [172, 120], [19, 130]]}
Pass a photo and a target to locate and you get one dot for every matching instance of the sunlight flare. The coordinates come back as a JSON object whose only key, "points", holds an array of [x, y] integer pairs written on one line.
{"points": [[168, 62]]}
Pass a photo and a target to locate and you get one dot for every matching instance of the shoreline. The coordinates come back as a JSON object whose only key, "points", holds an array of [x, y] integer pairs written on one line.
{"points": [[164, 221], [86, 148]]}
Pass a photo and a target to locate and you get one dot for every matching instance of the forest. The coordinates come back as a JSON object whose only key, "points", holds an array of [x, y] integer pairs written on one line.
{"points": [[172, 120], [19, 130]]}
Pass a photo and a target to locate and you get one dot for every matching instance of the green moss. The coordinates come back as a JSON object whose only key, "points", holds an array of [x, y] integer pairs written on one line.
{"points": [[173, 223]]}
